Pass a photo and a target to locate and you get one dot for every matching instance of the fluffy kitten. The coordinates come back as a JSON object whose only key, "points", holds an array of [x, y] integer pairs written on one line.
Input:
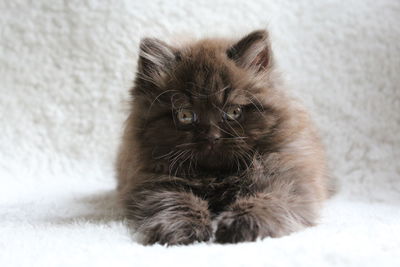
{"points": [[212, 137]]}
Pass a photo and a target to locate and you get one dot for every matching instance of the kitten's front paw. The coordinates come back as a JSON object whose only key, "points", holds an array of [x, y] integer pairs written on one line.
{"points": [[235, 227], [177, 234]]}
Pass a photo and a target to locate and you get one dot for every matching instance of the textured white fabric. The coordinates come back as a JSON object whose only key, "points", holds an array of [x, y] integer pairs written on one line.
{"points": [[65, 71]]}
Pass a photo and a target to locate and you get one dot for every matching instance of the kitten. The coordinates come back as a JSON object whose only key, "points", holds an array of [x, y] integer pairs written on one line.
{"points": [[212, 138]]}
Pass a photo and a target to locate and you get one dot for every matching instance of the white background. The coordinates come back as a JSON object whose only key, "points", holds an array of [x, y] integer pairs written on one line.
{"points": [[65, 71]]}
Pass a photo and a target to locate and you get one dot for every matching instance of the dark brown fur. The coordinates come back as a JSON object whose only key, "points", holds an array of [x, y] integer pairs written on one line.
{"points": [[265, 173]]}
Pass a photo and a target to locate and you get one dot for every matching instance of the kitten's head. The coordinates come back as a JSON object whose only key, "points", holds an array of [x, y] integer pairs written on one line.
{"points": [[206, 106]]}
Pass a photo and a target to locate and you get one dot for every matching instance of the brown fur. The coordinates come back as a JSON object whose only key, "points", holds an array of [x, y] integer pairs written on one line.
{"points": [[265, 174]]}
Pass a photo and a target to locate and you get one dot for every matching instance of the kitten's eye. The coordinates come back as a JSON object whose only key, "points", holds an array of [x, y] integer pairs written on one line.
{"points": [[186, 116], [233, 113]]}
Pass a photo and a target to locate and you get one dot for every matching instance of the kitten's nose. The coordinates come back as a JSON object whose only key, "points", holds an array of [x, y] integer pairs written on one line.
{"points": [[209, 134], [213, 135]]}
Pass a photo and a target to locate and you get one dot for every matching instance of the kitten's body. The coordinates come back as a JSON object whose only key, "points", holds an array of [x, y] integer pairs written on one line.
{"points": [[262, 174]]}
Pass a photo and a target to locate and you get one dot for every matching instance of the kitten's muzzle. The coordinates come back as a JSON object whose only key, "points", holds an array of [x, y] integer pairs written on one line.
{"points": [[210, 136], [213, 138], [210, 140]]}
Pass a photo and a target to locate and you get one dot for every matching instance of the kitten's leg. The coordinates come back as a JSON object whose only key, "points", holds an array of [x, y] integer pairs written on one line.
{"points": [[262, 215], [279, 205], [168, 217]]}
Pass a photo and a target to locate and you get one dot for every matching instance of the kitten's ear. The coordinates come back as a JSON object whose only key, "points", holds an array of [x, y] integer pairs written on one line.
{"points": [[155, 57], [252, 51]]}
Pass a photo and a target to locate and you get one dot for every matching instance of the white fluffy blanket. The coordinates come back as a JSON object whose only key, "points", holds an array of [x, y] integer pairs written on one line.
{"points": [[65, 71]]}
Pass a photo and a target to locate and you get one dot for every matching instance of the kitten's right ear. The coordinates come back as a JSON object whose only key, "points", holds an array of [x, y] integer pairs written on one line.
{"points": [[252, 51], [155, 58]]}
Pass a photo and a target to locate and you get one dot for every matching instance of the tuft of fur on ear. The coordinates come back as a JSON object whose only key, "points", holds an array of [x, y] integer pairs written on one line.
{"points": [[252, 51], [155, 59]]}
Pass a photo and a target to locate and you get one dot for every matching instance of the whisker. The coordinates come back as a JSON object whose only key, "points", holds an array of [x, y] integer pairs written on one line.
{"points": [[156, 99], [175, 160], [182, 161], [222, 130], [234, 138], [221, 110], [243, 158], [165, 155], [190, 163], [186, 144], [237, 134]]}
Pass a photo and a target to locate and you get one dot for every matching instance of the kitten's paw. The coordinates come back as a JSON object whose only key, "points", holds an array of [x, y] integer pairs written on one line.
{"points": [[181, 234], [235, 227]]}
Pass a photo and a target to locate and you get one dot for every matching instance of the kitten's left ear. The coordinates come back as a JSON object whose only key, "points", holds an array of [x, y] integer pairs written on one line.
{"points": [[155, 57], [252, 51]]}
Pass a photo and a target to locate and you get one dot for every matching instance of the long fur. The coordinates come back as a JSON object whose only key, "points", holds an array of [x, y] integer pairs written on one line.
{"points": [[267, 175]]}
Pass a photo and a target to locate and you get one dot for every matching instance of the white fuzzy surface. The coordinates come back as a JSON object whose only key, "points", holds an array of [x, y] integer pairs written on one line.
{"points": [[65, 70]]}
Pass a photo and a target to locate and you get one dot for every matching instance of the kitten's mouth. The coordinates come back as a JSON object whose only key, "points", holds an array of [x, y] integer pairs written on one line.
{"points": [[212, 156], [209, 148]]}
